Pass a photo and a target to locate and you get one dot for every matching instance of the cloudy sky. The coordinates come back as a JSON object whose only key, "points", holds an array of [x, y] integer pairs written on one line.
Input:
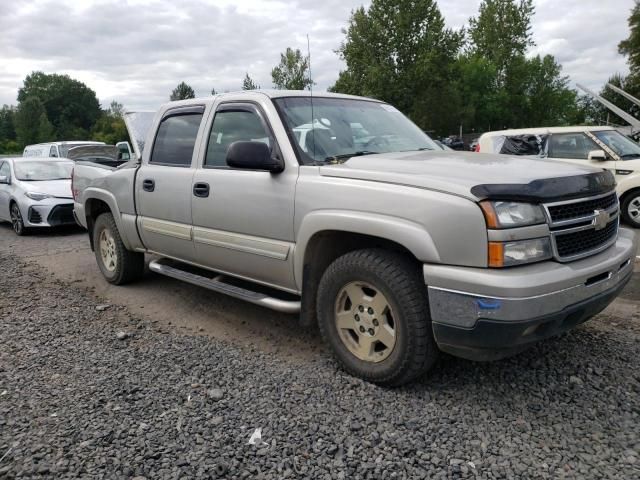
{"points": [[136, 51]]}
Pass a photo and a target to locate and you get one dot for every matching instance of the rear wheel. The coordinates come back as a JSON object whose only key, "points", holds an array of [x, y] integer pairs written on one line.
{"points": [[373, 313], [16, 220], [631, 208], [117, 264]]}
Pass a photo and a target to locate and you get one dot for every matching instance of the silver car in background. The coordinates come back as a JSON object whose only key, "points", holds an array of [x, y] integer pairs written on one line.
{"points": [[35, 193]]}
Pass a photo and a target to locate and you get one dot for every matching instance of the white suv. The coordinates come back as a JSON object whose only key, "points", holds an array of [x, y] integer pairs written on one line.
{"points": [[602, 147]]}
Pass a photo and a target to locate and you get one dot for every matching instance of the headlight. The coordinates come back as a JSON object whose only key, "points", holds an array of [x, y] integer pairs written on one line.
{"points": [[499, 214], [37, 196], [507, 254]]}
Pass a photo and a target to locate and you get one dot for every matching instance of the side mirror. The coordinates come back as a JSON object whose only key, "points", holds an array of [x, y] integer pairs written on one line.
{"points": [[4, 180], [253, 156], [597, 155]]}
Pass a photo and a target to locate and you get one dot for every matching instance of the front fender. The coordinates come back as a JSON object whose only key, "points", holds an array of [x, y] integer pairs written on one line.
{"points": [[409, 234]]}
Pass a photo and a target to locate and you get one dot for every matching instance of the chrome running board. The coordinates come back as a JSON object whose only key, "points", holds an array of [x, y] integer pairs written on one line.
{"points": [[218, 285]]}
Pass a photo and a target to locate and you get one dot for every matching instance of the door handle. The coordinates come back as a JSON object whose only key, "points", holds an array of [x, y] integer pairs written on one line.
{"points": [[148, 185], [201, 189]]}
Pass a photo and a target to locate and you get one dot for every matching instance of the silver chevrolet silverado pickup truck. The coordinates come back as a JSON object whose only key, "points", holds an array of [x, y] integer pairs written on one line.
{"points": [[396, 249]]}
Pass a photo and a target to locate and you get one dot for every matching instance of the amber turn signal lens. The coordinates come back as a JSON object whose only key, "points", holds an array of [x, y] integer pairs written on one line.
{"points": [[496, 254], [489, 214]]}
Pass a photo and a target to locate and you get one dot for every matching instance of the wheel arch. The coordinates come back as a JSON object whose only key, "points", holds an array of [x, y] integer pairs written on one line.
{"points": [[95, 204], [326, 236]]}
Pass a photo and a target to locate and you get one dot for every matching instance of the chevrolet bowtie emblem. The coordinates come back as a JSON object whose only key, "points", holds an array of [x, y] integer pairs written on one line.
{"points": [[601, 219]]}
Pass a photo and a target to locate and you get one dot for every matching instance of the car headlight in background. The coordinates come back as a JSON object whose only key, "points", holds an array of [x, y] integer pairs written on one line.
{"points": [[507, 254], [37, 196], [499, 214]]}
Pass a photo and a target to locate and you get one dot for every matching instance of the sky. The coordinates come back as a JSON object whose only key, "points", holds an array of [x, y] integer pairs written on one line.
{"points": [[137, 51]]}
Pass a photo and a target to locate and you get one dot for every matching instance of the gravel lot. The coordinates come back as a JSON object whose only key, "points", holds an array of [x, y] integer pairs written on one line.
{"points": [[93, 391]]}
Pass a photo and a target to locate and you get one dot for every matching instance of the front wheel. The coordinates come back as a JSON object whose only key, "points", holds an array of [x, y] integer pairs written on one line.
{"points": [[117, 264], [631, 209], [16, 220], [373, 313]]}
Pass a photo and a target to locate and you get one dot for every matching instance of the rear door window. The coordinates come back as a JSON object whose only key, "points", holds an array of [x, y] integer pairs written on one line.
{"points": [[175, 140]]}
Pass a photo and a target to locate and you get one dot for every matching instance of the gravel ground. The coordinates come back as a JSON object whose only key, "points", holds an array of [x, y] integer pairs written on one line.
{"points": [[87, 390]]}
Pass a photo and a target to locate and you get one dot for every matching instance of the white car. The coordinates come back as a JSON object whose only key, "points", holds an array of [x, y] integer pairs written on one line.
{"points": [[35, 192], [602, 147]]}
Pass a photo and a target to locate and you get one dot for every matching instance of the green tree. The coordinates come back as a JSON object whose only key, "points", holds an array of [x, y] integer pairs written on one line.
{"points": [[502, 31], [249, 84], [116, 109], [292, 71], [400, 51], [630, 47], [110, 127], [7, 127], [28, 121], [46, 133], [71, 106], [182, 92]]}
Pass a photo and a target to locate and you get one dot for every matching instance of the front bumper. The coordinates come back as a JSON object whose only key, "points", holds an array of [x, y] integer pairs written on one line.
{"points": [[53, 213], [485, 314]]}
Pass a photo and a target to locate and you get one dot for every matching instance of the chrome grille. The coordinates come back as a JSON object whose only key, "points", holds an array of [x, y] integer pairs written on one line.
{"points": [[583, 227], [570, 211]]}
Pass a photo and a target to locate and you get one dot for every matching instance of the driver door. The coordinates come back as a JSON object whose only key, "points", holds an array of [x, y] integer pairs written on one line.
{"points": [[243, 219]]}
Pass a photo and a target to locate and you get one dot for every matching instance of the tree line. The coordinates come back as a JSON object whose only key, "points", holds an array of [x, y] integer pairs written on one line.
{"points": [[400, 51]]}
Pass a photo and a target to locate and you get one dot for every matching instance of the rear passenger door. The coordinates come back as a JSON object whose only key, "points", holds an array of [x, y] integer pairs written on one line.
{"points": [[163, 184]]}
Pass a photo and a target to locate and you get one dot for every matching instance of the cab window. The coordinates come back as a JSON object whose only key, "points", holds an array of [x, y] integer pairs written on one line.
{"points": [[175, 140], [570, 145], [232, 126]]}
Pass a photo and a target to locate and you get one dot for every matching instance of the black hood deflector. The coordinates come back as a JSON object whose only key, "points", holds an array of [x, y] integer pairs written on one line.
{"points": [[549, 189]]}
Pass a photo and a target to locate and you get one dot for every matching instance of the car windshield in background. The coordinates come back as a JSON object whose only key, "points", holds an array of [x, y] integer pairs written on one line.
{"points": [[338, 128], [626, 148], [42, 171]]}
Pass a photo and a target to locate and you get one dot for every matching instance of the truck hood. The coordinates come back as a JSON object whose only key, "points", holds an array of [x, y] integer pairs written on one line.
{"points": [[55, 188], [476, 175]]}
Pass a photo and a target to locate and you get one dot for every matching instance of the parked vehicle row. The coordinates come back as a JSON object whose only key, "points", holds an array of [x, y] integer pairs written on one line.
{"points": [[35, 192], [600, 147], [395, 248]]}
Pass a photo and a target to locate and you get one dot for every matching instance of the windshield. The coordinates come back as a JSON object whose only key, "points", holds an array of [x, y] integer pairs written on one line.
{"points": [[625, 148], [342, 128], [41, 171]]}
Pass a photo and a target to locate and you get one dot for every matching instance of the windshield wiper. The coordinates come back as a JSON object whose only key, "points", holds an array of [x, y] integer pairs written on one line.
{"points": [[630, 156], [344, 156]]}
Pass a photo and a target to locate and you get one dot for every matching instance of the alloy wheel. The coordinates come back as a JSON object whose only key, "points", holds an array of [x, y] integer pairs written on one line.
{"points": [[365, 322], [108, 252], [16, 219], [633, 210]]}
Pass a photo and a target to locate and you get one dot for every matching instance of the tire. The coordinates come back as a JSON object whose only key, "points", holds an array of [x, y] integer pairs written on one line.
{"points": [[17, 223], [117, 264], [349, 288], [631, 208]]}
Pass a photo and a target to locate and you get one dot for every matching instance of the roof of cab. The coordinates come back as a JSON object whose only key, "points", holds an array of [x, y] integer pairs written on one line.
{"points": [[270, 94], [546, 130]]}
